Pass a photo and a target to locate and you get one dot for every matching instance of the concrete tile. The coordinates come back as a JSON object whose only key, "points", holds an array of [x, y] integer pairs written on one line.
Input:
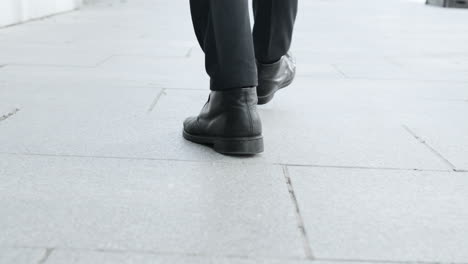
{"points": [[20, 255], [343, 123], [76, 38], [168, 207], [395, 31], [78, 257], [384, 215]]}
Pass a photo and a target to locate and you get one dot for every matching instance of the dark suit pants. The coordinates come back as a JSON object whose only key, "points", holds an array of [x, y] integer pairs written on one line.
{"points": [[231, 49]]}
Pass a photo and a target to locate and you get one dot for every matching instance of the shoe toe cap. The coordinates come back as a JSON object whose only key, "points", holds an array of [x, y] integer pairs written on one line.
{"points": [[190, 124]]}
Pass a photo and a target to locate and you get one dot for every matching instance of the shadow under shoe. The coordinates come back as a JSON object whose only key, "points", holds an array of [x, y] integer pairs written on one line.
{"points": [[229, 122], [274, 76]]}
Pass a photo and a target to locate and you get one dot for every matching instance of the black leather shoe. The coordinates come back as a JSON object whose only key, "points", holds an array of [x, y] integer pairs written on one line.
{"points": [[229, 122], [275, 76]]}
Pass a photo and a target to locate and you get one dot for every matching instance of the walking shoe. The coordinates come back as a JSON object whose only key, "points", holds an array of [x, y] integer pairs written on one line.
{"points": [[229, 122], [274, 76]]}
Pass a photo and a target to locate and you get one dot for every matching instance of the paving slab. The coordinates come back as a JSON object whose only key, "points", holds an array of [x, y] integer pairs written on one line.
{"points": [[167, 207], [341, 126], [21, 255], [354, 118], [79, 39], [402, 38], [383, 215]]}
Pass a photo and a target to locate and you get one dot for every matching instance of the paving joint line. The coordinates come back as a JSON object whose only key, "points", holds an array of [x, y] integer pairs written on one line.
{"points": [[54, 65], [360, 167], [350, 78], [109, 157], [153, 57], [46, 255], [103, 61], [178, 88], [393, 62], [406, 80], [344, 75], [338, 260], [49, 251], [300, 221], [156, 100], [217, 162], [9, 114], [91, 66], [189, 53], [432, 149]]}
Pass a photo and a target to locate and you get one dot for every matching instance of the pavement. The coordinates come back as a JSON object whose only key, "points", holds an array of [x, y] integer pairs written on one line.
{"points": [[366, 154]]}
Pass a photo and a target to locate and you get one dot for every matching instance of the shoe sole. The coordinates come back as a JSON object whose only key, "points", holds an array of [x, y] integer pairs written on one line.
{"points": [[230, 146], [267, 98]]}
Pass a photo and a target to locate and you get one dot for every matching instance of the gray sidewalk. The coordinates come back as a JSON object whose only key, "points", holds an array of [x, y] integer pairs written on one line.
{"points": [[366, 155]]}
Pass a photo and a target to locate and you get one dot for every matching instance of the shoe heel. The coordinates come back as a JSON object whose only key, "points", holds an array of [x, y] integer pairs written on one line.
{"points": [[265, 99], [239, 147]]}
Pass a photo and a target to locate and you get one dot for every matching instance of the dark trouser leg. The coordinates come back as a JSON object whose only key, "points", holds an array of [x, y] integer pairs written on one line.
{"points": [[223, 31], [274, 24]]}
